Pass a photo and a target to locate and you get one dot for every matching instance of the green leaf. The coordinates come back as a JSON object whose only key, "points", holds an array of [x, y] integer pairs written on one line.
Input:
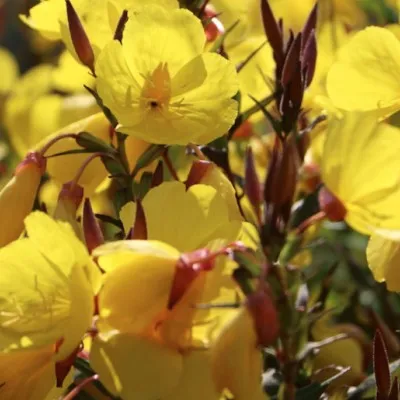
{"points": [[74, 151], [151, 154], [93, 143]]}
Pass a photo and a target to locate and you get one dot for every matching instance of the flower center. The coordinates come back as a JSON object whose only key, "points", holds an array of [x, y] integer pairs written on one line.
{"points": [[156, 92]]}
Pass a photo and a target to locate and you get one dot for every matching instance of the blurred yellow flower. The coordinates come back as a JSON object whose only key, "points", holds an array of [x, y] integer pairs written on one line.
{"points": [[32, 111], [358, 153], [165, 96], [9, 71]]}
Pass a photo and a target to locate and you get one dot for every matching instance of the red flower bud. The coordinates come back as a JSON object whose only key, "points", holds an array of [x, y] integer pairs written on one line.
{"points": [[331, 205], [79, 38], [265, 317], [91, 228]]}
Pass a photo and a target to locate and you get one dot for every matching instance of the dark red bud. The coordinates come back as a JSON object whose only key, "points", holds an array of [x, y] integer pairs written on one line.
{"points": [[331, 205], [188, 268], [91, 228], [291, 61], [252, 186], [280, 183], [310, 25], [394, 391], [265, 317], [198, 171], [80, 40], [139, 230], [309, 59], [272, 32]]}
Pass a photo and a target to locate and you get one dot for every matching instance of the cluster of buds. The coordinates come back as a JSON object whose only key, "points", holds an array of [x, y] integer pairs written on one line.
{"points": [[295, 63]]}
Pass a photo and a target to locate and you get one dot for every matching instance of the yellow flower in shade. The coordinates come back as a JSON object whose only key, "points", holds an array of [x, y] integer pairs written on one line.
{"points": [[237, 362], [46, 304], [383, 255], [163, 95], [32, 112], [342, 353], [358, 153], [156, 329], [366, 75], [18, 195], [9, 71], [187, 219]]}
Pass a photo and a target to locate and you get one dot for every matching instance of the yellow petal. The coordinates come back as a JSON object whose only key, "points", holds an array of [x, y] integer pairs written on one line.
{"points": [[383, 257], [128, 364], [184, 219], [144, 269], [355, 150], [196, 381], [367, 74], [237, 363], [156, 32], [27, 374]]}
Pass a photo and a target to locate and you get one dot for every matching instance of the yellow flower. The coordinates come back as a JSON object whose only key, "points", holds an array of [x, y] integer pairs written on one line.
{"points": [[186, 219], [158, 335], [32, 112], [164, 95], [18, 196], [367, 73], [358, 153], [383, 255], [9, 71], [46, 296]]}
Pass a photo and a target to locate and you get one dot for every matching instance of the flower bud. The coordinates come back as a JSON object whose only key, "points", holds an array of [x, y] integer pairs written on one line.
{"points": [[18, 196], [79, 38], [252, 186], [265, 317], [331, 205], [139, 229], [188, 268], [69, 199], [91, 228]]}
